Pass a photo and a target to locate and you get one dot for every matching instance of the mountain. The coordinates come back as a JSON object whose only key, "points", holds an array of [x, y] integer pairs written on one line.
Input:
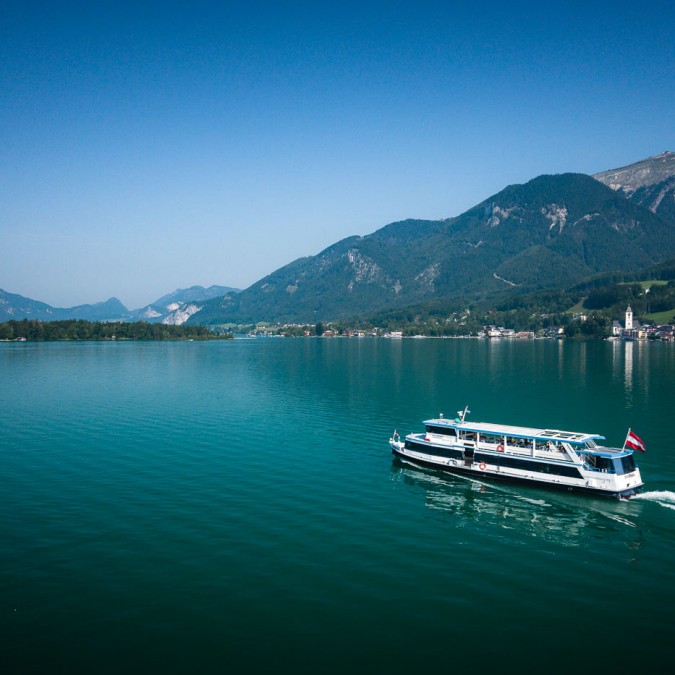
{"points": [[177, 307], [13, 306], [650, 183], [194, 294], [173, 308], [110, 310], [551, 232]]}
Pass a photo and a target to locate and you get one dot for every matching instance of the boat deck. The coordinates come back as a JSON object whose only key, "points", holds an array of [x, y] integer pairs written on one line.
{"points": [[574, 437]]}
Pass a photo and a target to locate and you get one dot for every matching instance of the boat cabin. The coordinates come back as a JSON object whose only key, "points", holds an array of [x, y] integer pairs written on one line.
{"points": [[609, 462], [507, 438]]}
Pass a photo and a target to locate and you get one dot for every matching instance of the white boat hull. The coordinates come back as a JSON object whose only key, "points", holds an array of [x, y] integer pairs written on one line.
{"points": [[490, 467]]}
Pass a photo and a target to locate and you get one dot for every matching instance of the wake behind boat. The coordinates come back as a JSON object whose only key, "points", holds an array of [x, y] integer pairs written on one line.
{"points": [[565, 460]]}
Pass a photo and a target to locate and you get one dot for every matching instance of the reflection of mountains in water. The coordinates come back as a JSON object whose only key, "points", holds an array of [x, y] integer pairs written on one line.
{"points": [[565, 518]]}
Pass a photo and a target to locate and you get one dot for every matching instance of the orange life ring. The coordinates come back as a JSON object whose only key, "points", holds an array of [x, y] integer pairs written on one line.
{"points": [[482, 466], [500, 448]]}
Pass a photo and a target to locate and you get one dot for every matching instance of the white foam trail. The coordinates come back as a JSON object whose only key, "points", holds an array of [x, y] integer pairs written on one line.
{"points": [[663, 497], [618, 519], [534, 502]]}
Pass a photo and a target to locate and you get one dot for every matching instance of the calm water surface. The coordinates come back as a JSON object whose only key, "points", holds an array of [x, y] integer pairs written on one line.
{"points": [[234, 507]]}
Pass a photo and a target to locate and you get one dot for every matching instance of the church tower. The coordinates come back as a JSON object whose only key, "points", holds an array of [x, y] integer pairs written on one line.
{"points": [[629, 319]]}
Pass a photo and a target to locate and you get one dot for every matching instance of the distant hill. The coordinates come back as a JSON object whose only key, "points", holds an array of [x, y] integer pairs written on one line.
{"points": [[13, 306], [650, 183], [173, 308], [177, 307], [551, 232], [110, 310], [194, 294]]}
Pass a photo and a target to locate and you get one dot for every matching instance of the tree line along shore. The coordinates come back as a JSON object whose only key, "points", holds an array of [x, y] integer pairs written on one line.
{"points": [[580, 313], [77, 329]]}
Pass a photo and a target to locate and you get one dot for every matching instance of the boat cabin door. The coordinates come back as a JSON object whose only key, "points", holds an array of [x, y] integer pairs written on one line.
{"points": [[468, 455]]}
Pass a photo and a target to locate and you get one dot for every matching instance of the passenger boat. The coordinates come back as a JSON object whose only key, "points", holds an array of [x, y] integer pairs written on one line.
{"points": [[565, 460]]}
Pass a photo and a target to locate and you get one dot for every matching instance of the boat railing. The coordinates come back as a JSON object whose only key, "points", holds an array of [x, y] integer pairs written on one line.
{"points": [[525, 450], [554, 451]]}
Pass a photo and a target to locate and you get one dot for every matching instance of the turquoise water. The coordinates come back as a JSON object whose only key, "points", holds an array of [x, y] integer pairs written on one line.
{"points": [[234, 507]]}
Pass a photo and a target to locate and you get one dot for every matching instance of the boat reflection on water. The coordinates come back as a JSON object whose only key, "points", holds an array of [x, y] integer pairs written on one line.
{"points": [[570, 520]]}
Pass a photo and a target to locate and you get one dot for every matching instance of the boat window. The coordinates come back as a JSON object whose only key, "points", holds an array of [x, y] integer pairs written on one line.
{"points": [[600, 463], [433, 450], [540, 467], [515, 442], [624, 464], [444, 431]]}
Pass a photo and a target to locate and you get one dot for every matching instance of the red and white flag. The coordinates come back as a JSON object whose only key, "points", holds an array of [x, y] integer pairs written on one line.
{"points": [[635, 442]]}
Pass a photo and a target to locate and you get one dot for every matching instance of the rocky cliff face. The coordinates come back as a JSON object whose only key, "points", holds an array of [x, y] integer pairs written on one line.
{"points": [[180, 313], [650, 183], [177, 307]]}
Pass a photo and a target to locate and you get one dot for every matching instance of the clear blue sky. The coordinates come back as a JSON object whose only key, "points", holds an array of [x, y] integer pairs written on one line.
{"points": [[148, 146]]}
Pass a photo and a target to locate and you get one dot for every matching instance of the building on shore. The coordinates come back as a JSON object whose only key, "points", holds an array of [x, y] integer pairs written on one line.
{"points": [[631, 329]]}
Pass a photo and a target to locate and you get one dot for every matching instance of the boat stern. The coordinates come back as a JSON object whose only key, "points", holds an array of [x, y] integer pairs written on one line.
{"points": [[630, 484]]}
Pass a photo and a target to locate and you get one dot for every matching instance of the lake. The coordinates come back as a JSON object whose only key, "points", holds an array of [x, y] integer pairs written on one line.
{"points": [[234, 506]]}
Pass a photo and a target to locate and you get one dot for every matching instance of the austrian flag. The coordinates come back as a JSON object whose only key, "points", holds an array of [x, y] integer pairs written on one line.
{"points": [[635, 442]]}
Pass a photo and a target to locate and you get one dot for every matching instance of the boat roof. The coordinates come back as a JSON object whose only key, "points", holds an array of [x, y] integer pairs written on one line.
{"points": [[573, 437]]}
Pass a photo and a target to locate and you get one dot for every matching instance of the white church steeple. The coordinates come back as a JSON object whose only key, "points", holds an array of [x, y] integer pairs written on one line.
{"points": [[628, 325]]}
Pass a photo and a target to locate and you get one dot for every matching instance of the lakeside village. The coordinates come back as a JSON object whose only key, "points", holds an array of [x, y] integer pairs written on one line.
{"points": [[630, 329], [458, 325]]}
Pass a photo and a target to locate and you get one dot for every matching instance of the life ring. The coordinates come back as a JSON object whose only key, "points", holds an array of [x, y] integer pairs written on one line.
{"points": [[500, 448], [482, 466]]}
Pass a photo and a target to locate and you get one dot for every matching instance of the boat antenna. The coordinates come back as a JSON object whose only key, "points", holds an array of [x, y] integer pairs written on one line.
{"points": [[462, 413]]}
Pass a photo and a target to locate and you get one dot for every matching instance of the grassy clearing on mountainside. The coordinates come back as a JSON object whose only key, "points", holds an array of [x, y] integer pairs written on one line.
{"points": [[662, 317], [652, 282]]}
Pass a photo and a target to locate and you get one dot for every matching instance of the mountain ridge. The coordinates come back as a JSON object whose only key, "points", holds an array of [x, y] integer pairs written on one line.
{"points": [[15, 306], [176, 307], [551, 231], [554, 230], [165, 309], [649, 182]]}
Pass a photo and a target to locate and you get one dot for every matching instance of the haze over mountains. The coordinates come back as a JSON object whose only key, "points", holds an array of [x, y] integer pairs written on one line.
{"points": [[171, 308], [551, 232]]}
